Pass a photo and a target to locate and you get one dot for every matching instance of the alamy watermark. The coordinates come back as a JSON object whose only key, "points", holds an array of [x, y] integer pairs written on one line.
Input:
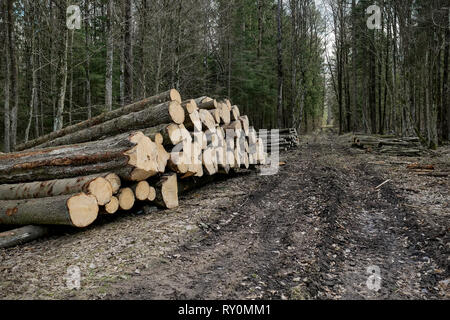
{"points": [[374, 280], [73, 278], [230, 147], [374, 21], [73, 20]]}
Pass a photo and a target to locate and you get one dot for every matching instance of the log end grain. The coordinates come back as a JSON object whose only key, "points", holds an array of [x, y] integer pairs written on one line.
{"points": [[126, 198], [101, 189], [142, 190], [115, 182], [175, 95], [169, 191], [112, 206], [176, 112], [151, 194], [83, 209]]}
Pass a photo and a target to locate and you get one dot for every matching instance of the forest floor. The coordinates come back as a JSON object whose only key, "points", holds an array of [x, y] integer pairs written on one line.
{"points": [[309, 232]]}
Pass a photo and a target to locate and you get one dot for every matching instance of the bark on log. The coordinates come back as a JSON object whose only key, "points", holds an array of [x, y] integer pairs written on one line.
{"points": [[75, 210], [200, 100], [22, 235], [58, 187], [193, 122], [208, 105], [170, 95], [122, 153], [153, 116]]}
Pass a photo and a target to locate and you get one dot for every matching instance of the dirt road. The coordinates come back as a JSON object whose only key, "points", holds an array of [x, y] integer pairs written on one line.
{"points": [[317, 230]]}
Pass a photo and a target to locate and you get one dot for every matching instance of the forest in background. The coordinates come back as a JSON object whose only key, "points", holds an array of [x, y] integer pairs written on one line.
{"points": [[286, 63]]}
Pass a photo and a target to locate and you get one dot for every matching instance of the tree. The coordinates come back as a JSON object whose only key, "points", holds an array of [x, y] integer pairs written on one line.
{"points": [[280, 63]]}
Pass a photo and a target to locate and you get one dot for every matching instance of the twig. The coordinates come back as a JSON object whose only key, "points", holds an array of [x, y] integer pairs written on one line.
{"points": [[382, 184]]}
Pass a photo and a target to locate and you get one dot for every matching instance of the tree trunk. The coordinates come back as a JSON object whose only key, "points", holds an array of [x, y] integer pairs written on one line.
{"points": [[62, 73], [88, 60], [128, 54], [13, 73], [280, 64], [445, 89], [7, 120], [109, 57]]}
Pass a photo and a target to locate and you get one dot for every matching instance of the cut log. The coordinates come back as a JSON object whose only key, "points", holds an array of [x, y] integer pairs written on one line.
{"points": [[193, 122], [209, 158], [112, 206], [126, 198], [202, 99], [190, 105], [162, 155], [167, 192], [153, 116], [185, 134], [95, 184], [141, 190], [235, 125], [151, 194], [207, 120], [22, 235], [132, 150], [115, 182], [245, 125], [215, 114], [101, 189], [224, 112], [235, 113], [229, 105], [208, 105], [170, 95], [75, 210], [252, 136]]}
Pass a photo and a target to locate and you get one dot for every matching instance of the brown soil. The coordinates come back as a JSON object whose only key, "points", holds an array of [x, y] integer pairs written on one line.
{"points": [[309, 232]]}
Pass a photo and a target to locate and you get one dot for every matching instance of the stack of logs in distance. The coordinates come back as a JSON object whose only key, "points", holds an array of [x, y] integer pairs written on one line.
{"points": [[389, 145], [149, 151], [284, 140]]}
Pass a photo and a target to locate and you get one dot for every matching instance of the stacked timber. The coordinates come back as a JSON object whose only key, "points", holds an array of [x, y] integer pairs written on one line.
{"points": [[389, 145], [281, 140], [146, 152]]}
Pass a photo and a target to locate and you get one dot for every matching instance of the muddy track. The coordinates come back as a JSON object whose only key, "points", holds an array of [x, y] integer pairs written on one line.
{"points": [[310, 232]]}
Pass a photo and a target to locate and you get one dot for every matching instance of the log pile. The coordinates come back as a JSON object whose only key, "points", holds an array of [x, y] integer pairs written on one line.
{"points": [[146, 152], [287, 139], [389, 145]]}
